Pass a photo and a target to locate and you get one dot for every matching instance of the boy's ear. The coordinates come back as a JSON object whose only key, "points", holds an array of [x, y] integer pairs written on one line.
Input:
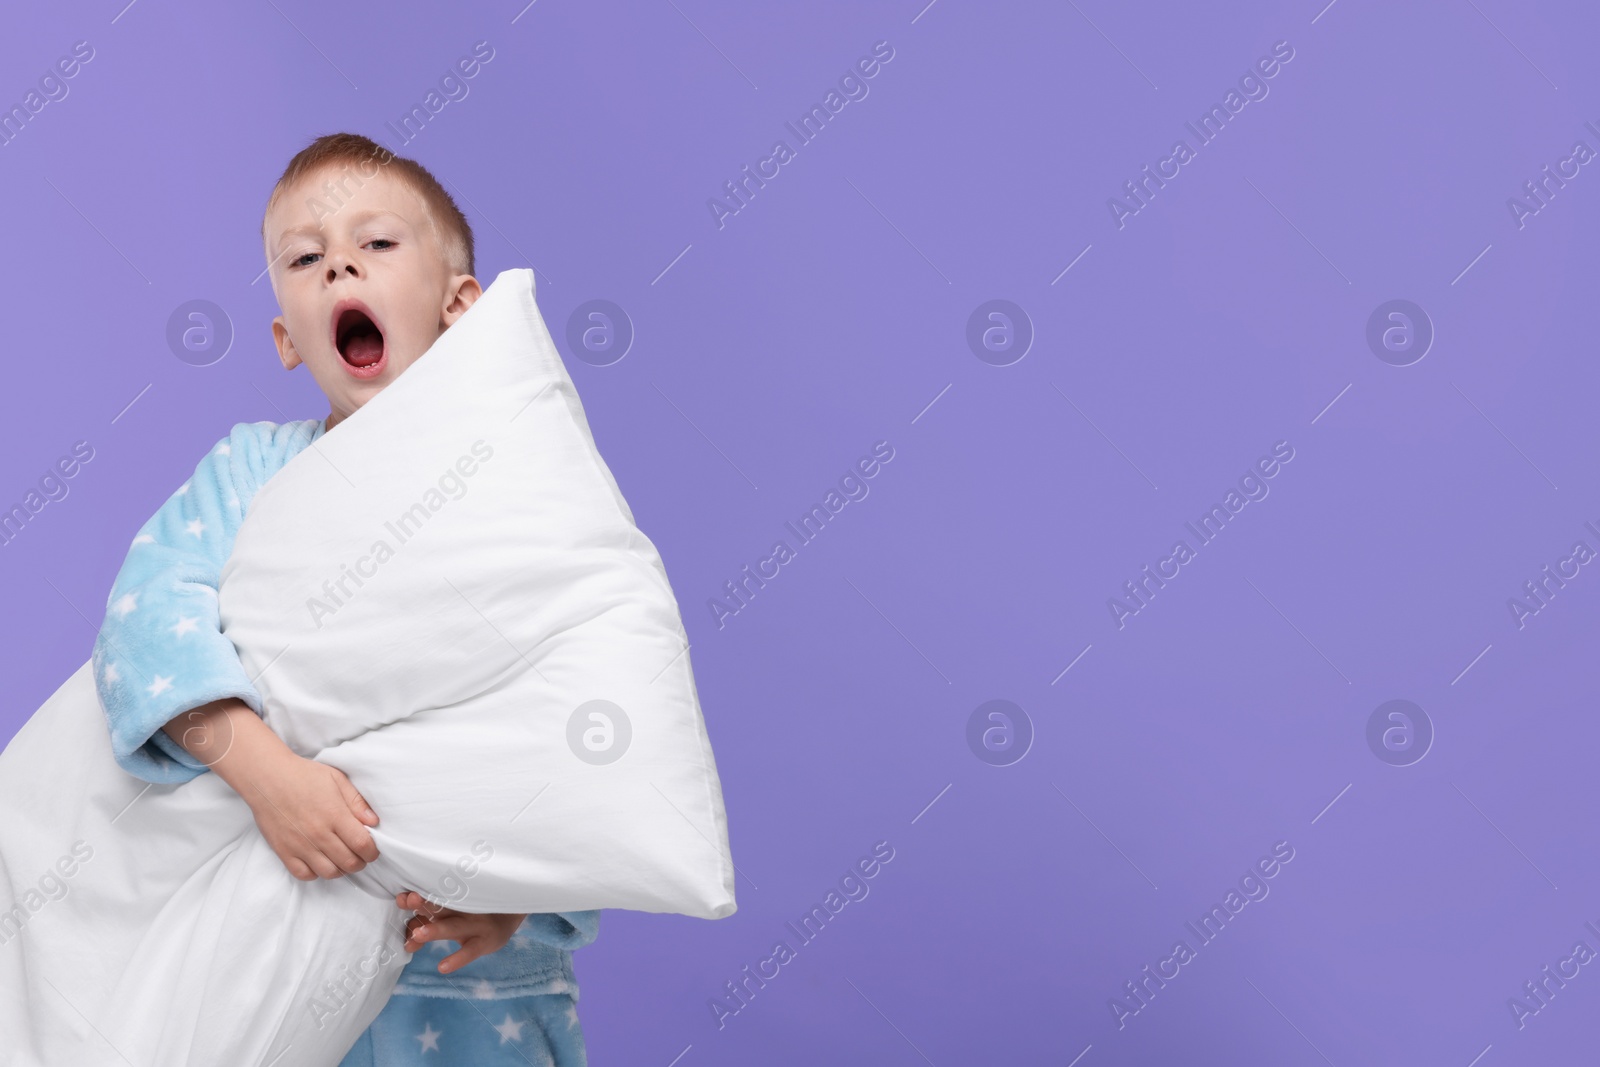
{"points": [[464, 291], [286, 350]]}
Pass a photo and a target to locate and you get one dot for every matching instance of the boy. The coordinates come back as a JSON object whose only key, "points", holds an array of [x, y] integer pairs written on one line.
{"points": [[370, 260]]}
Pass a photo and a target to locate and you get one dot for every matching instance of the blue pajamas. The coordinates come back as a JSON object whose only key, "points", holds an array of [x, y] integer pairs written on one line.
{"points": [[519, 1002], [161, 651], [540, 1030], [516, 1006]]}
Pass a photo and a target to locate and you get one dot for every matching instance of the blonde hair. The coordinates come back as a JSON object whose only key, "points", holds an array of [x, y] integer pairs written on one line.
{"points": [[332, 149]]}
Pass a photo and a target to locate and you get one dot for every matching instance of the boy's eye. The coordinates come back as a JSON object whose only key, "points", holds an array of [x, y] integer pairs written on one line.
{"points": [[301, 261]]}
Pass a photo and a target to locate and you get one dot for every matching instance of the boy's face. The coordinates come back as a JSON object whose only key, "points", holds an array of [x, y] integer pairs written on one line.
{"points": [[365, 289]]}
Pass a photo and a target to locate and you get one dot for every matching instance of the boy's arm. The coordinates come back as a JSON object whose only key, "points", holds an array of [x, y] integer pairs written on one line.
{"points": [[161, 650], [176, 698], [309, 813]]}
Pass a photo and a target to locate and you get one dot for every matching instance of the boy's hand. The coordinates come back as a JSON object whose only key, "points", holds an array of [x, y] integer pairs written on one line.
{"points": [[478, 935], [311, 816], [309, 812]]}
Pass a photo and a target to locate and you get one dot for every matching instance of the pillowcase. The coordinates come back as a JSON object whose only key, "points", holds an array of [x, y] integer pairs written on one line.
{"points": [[446, 597]]}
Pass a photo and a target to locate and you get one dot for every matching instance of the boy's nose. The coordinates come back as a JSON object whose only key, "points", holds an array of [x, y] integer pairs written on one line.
{"points": [[341, 263]]}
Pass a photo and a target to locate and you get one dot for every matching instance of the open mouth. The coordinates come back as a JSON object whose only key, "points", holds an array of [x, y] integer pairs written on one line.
{"points": [[359, 339]]}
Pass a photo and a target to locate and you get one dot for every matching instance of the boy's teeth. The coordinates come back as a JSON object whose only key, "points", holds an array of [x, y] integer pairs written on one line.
{"points": [[364, 351]]}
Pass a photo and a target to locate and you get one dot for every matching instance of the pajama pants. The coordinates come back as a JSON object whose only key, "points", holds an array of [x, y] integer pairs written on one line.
{"points": [[540, 1030]]}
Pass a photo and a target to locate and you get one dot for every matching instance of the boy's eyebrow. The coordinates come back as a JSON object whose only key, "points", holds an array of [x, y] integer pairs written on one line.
{"points": [[358, 217]]}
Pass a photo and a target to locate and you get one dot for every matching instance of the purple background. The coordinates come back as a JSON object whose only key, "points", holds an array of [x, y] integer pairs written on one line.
{"points": [[827, 315]]}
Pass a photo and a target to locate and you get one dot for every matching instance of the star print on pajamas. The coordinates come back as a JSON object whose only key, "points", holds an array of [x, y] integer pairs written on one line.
{"points": [[162, 617], [525, 1031], [510, 1031]]}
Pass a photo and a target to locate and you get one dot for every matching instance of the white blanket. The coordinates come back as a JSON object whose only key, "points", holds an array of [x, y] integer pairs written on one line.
{"points": [[445, 597]]}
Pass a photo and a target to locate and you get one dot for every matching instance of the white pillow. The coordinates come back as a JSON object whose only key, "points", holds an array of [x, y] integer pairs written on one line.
{"points": [[446, 598], [470, 688]]}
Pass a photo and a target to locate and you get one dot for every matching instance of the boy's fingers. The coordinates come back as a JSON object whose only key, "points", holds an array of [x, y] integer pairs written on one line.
{"points": [[447, 928], [413, 924], [292, 862], [458, 959], [333, 847], [418, 921], [427, 908], [358, 803], [473, 945], [324, 867], [354, 836]]}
